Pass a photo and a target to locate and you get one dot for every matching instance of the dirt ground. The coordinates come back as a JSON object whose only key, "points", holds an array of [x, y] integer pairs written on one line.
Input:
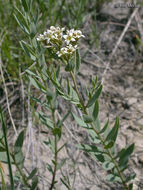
{"points": [[121, 73]]}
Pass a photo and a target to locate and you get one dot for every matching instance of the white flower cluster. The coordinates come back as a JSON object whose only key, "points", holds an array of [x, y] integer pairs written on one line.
{"points": [[68, 50], [64, 45], [55, 34], [73, 36]]}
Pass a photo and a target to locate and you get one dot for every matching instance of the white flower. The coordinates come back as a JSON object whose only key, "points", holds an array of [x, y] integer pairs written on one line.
{"points": [[52, 28], [40, 38], [70, 49], [72, 36], [63, 51], [53, 38], [79, 34], [68, 38], [67, 51]]}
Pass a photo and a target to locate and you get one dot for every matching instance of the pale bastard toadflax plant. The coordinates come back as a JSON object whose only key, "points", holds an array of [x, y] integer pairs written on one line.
{"points": [[61, 46]]}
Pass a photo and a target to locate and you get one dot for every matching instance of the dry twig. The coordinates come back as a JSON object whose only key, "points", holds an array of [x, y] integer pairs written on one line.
{"points": [[5, 88], [118, 42]]}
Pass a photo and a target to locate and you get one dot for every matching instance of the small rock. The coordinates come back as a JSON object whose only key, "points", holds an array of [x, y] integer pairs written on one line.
{"points": [[140, 122], [132, 101]]}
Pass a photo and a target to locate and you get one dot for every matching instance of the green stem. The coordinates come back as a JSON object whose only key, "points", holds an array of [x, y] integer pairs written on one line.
{"points": [[56, 152], [7, 150], [21, 173], [19, 169], [100, 137]]}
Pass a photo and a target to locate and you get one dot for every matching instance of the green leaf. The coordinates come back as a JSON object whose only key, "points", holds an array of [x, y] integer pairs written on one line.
{"points": [[109, 145], [78, 60], [33, 30], [61, 148], [44, 119], [113, 178], [125, 155], [94, 151], [94, 97], [51, 144], [95, 110], [25, 6], [70, 66], [49, 167], [60, 165], [29, 4], [108, 165], [87, 119], [32, 174], [93, 136], [27, 50], [130, 177], [130, 186], [95, 140], [49, 94], [58, 71], [65, 183], [100, 157], [114, 132], [19, 157], [64, 118], [19, 142], [79, 121], [57, 131], [2, 149], [3, 157], [23, 27], [22, 18], [3, 184], [30, 72], [105, 127], [73, 94], [37, 84], [34, 183]]}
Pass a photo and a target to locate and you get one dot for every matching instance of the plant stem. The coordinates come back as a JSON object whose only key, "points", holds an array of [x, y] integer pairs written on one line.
{"points": [[21, 173], [18, 168], [7, 150], [55, 151], [99, 136]]}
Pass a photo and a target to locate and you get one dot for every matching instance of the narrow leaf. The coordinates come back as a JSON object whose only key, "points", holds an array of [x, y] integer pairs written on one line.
{"points": [[78, 61], [105, 127], [130, 186], [27, 50], [113, 178], [125, 155], [95, 110], [87, 119], [79, 121], [21, 25], [25, 6], [109, 145], [64, 118], [114, 131], [94, 97], [108, 165], [32, 174], [34, 183], [37, 84], [19, 142]]}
